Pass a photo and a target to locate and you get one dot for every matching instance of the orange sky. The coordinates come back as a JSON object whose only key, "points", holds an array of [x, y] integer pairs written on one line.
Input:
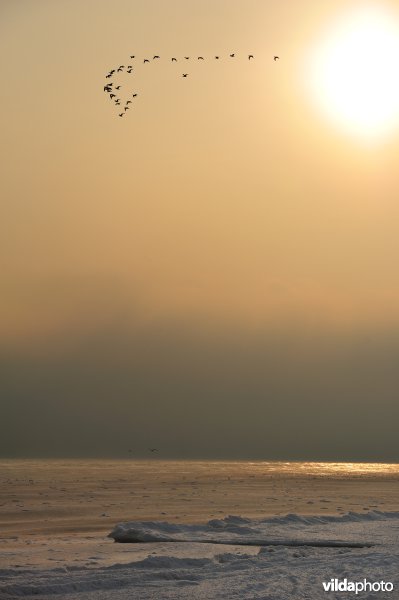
{"points": [[223, 194], [226, 198]]}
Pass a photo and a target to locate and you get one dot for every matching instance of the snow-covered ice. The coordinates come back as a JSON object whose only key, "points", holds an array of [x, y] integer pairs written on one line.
{"points": [[234, 558], [289, 530], [301, 524]]}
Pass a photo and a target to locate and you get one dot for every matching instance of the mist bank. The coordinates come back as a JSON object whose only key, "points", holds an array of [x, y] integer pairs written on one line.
{"points": [[195, 391]]}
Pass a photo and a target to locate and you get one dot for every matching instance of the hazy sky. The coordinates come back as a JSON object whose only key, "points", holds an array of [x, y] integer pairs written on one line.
{"points": [[215, 273]]}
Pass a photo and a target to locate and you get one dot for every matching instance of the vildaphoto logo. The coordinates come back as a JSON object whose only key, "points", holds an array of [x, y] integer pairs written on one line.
{"points": [[343, 585]]}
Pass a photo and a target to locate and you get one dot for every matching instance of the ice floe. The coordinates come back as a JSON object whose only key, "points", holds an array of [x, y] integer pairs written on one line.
{"points": [[305, 552]]}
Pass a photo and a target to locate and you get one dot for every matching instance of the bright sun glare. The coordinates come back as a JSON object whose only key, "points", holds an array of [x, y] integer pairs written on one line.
{"points": [[355, 72]]}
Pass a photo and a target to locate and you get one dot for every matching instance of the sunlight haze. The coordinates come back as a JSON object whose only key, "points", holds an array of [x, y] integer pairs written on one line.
{"points": [[217, 270]]}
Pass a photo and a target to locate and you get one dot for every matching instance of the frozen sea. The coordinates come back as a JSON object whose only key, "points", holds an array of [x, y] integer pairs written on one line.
{"points": [[87, 529]]}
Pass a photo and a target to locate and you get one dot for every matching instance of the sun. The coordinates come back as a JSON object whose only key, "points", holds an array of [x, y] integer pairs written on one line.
{"points": [[355, 72]]}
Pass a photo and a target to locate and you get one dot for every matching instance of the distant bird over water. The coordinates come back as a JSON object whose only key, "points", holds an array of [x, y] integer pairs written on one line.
{"points": [[153, 449], [276, 58]]}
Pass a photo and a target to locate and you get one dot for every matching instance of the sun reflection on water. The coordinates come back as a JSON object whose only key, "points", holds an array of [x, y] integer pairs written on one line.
{"points": [[326, 469]]}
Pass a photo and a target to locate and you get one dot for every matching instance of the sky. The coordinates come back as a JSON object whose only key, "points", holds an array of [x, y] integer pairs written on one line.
{"points": [[215, 273]]}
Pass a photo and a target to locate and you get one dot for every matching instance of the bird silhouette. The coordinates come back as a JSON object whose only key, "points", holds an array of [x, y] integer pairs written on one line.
{"points": [[276, 58], [109, 89], [153, 449]]}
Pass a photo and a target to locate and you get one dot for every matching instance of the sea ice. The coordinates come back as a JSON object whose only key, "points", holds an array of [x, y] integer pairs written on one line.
{"points": [[233, 568]]}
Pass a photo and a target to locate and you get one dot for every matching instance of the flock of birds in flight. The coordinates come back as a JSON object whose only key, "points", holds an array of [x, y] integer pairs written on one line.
{"points": [[112, 90]]}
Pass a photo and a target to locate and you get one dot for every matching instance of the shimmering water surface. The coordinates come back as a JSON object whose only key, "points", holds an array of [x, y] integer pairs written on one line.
{"points": [[47, 496]]}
